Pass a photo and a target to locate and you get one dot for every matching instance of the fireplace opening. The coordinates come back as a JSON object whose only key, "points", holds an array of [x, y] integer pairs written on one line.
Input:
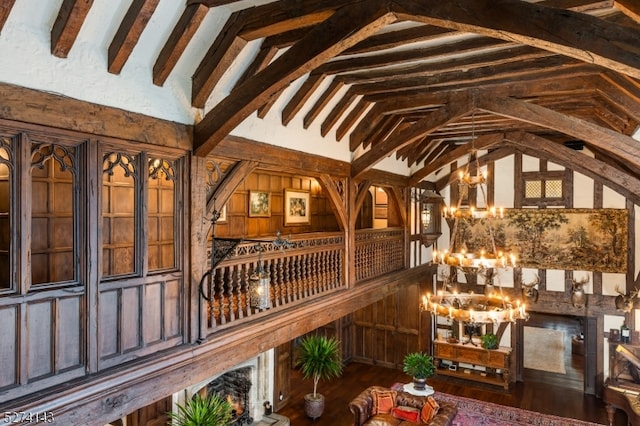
{"points": [[234, 386]]}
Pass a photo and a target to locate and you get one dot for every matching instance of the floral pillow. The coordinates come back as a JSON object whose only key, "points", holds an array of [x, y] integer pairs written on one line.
{"points": [[383, 401]]}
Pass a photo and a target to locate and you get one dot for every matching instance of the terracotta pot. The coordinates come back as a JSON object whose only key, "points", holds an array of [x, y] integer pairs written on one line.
{"points": [[313, 407]]}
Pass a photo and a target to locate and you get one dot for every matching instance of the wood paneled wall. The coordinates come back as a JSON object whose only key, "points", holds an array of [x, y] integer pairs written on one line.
{"points": [[387, 330], [239, 224]]}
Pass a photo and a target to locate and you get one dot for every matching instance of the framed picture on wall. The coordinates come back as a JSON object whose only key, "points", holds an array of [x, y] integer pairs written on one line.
{"points": [[259, 204], [297, 210]]}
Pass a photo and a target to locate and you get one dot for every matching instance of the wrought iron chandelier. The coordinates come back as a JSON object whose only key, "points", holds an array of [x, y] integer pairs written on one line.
{"points": [[492, 306]]}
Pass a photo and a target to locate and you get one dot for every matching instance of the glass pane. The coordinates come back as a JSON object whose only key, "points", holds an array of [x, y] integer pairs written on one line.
{"points": [[553, 189], [53, 215], [533, 189], [5, 214], [118, 215], [161, 215]]}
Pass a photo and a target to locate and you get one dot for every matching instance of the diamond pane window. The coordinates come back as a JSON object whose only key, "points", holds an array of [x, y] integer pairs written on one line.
{"points": [[533, 189], [553, 189]]}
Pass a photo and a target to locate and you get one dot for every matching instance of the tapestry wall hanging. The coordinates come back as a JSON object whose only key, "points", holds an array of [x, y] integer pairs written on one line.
{"points": [[570, 239]]}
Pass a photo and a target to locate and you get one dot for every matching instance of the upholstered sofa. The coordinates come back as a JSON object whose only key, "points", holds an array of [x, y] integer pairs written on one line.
{"points": [[369, 409]]}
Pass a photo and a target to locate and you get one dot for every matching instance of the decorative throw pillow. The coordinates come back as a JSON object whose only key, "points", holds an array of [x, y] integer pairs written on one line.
{"points": [[406, 413], [429, 410], [383, 401]]}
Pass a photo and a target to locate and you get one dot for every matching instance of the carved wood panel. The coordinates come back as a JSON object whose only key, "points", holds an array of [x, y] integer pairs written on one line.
{"points": [[387, 330], [140, 319]]}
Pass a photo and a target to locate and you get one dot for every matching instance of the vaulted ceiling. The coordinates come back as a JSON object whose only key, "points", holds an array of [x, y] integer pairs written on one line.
{"points": [[425, 81]]}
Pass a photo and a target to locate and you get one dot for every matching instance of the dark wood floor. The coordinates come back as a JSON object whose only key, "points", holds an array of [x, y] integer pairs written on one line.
{"points": [[549, 393], [535, 396]]}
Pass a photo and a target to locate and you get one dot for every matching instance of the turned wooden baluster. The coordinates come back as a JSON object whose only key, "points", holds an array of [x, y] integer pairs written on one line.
{"points": [[282, 288], [313, 268], [287, 280], [237, 290], [218, 295]]}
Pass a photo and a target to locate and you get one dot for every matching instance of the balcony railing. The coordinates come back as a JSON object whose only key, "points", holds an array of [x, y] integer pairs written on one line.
{"points": [[313, 266], [378, 251]]}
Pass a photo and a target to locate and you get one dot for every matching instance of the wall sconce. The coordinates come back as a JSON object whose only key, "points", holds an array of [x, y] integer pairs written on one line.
{"points": [[430, 225], [259, 285]]}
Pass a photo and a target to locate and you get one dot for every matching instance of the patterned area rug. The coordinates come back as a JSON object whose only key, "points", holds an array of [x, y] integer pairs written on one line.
{"points": [[472, 412]]}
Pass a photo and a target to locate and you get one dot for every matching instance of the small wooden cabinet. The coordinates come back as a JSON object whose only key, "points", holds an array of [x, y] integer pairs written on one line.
{"points": [[496, 363]]}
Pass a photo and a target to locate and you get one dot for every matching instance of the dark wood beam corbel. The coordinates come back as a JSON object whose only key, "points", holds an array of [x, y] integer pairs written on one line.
{"points": [[232, 180], [338, 202], [345, 28]]}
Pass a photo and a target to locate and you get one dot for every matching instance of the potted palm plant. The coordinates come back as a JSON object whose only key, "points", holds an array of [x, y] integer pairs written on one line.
{"points": [[420, 366], [319, 359], [199, 411]]}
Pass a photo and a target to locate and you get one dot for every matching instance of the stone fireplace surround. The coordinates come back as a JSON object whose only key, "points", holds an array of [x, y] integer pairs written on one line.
{"points": [[261, 375]]}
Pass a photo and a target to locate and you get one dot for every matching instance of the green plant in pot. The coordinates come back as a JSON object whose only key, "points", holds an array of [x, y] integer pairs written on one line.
{"points": [[420, 367], [199, 411], [490, 341], [319, 359]]}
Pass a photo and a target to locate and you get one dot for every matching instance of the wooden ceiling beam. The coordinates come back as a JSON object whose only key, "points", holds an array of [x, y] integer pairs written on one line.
{"points": [[180, 37], [485, 75], [630, 8], [388, 124], [342, 30], [435, 148], [224, 50], [620, 92], [263, 58], [321, 102], [561, 31], [365, 126], [5, 9], [482, 142], [619, 145], [283, 159], [337, 111], [286, 15], [398, 38], [67, 25], [301, 96], [457, 106], [352, 118], [128, 34], [403, 56], [494, 58]]}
